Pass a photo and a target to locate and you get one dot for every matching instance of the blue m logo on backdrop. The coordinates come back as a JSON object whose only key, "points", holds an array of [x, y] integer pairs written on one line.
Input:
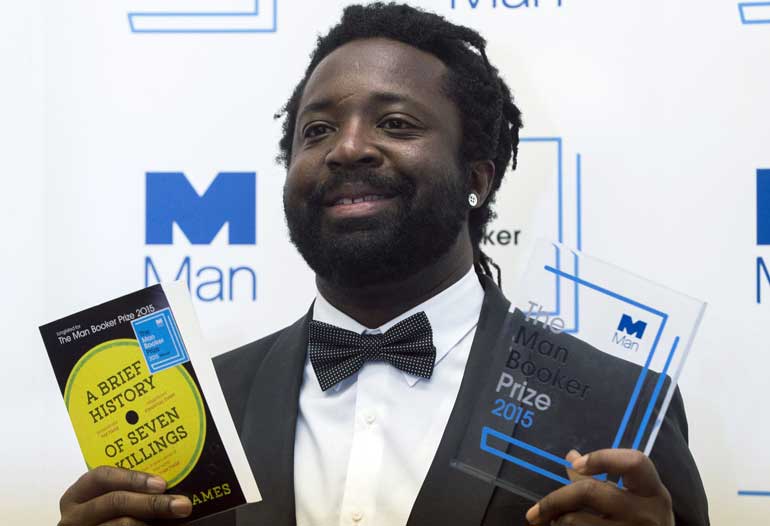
{"points": [[631, 327], [255, 16], [231, 199]]}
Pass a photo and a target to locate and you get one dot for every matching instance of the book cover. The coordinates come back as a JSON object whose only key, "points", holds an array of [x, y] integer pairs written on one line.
{"points": [[142, 394]]}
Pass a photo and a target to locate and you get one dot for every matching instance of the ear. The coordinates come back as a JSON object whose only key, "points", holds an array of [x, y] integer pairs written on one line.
{"points": [[482, 178]]}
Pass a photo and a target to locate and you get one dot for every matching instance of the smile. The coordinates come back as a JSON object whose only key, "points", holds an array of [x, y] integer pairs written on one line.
{"points": [[356, 200], [359, 206]]}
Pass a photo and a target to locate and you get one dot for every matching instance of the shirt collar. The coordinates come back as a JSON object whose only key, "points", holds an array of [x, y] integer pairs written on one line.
{"points": [[452, 313]]}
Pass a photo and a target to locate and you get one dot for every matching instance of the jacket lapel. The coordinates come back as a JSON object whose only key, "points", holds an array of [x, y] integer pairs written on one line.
{"points": [[269, 426], [449, 496]]}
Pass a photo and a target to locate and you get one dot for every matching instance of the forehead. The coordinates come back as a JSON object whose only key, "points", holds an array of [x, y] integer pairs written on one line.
{"points": [[378, 65]]}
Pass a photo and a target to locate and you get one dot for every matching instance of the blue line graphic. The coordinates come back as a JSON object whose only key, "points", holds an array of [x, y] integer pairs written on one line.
{"points": [[754, 12], [486, 431], [609, 293], [560, 220], [559, 156], [655, 394], [638, 387], [576, 328], [752, 493], [205, 22], [579, 206]]}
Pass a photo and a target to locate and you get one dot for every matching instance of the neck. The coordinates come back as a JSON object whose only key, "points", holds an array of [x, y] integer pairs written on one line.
{"points": [[373, 305]]}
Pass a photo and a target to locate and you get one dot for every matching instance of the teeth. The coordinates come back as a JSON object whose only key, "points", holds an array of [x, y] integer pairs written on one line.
{"points": [[351, 201]]}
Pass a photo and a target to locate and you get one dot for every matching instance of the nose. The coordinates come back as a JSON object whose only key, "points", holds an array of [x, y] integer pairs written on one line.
{"points": [[354, 147]]}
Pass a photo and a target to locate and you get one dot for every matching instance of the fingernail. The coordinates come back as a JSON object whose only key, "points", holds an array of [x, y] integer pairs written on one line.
{"points": [[156, 484], [574, 453], [580, 463], [181, 507], [533, 514]]}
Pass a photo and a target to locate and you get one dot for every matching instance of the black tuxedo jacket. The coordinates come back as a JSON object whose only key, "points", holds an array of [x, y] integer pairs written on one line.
{"points": [[261, 383]]}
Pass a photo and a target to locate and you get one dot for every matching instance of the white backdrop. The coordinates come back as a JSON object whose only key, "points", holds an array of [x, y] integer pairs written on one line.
{"points": [[666, 106]]}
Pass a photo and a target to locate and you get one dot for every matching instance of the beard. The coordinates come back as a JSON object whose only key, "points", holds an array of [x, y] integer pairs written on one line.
{"points": [[387, 247]]}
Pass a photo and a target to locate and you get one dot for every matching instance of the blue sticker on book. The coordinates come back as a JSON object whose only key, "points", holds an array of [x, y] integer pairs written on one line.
{"points": [[160, 341]]}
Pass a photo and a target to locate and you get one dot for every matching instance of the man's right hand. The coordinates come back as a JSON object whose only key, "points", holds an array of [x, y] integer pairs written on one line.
{"points": [[107, 496]]}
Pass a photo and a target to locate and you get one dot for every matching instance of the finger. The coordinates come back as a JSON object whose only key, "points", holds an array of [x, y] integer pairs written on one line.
{"points": [[104, 479], [638, 471], [117, 504], [573, 455], [601, 497], [573, 475], [582, 518], [124, 521]]}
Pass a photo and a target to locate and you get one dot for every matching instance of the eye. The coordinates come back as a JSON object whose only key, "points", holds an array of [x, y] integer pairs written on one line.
{"points": [[315, 130], [396, 123]]}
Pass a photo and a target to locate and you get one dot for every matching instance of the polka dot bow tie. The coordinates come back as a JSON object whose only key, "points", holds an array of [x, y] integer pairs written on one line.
{"points": [[338, 353]]}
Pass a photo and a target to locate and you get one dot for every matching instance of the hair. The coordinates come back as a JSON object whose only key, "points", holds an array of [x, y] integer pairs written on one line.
{"points": [[490, 119]]}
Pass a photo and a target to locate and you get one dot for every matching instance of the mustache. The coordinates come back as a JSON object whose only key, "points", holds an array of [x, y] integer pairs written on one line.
{"points": [[380, 182]]}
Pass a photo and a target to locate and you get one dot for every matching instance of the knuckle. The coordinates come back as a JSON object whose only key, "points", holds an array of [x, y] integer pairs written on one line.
{"points": [[638, 459], [159, 504], [589, 488], [119, 500], [103, 473], [136, 479]]}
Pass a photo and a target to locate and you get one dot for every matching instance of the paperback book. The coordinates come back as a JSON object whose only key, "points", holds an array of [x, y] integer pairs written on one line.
{"points": [[142, 394]]}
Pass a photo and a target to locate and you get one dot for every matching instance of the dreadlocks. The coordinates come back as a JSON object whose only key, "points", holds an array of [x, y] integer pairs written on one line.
{"points": [[490, 119]]}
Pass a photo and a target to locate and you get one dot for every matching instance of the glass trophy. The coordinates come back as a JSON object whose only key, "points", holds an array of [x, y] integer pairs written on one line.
{"points": [[588, 358]]}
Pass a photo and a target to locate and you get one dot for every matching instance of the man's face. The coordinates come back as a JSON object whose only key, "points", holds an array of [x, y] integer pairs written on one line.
{"points": [[375, 189]]}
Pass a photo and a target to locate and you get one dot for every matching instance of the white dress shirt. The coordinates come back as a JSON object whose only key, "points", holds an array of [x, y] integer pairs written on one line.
{"points": [[363, 448]]}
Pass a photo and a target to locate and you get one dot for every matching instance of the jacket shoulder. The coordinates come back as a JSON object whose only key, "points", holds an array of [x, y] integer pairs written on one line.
{"points": [[677, 468]]}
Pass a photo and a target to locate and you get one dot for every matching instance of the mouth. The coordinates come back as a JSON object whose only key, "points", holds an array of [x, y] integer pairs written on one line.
{"points": [[359, 207], [357, 199], [343, 201]]}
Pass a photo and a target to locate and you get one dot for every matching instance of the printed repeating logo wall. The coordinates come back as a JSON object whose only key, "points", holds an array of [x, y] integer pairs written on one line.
{"points": [[160, 111]]}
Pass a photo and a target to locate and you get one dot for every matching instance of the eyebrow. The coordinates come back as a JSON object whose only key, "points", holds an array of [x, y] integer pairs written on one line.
{"points": [[381, 97]]}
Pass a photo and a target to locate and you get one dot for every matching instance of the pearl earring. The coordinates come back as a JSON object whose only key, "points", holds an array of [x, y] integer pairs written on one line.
{"points": [[473, 199]]}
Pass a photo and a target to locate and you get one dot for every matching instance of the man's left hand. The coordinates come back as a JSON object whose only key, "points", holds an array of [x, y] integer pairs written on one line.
{"points": [[643, 501]]}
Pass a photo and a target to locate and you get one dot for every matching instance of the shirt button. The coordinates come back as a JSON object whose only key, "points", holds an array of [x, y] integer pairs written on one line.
{"points": [[370, 418], [357, 516]]}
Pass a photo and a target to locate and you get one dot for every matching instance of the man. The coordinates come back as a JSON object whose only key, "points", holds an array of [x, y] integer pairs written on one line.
{"points": [[395, 143]]}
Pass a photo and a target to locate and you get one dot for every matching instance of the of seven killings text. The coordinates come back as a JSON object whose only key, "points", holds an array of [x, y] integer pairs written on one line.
{"points": [[123, 387]]}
